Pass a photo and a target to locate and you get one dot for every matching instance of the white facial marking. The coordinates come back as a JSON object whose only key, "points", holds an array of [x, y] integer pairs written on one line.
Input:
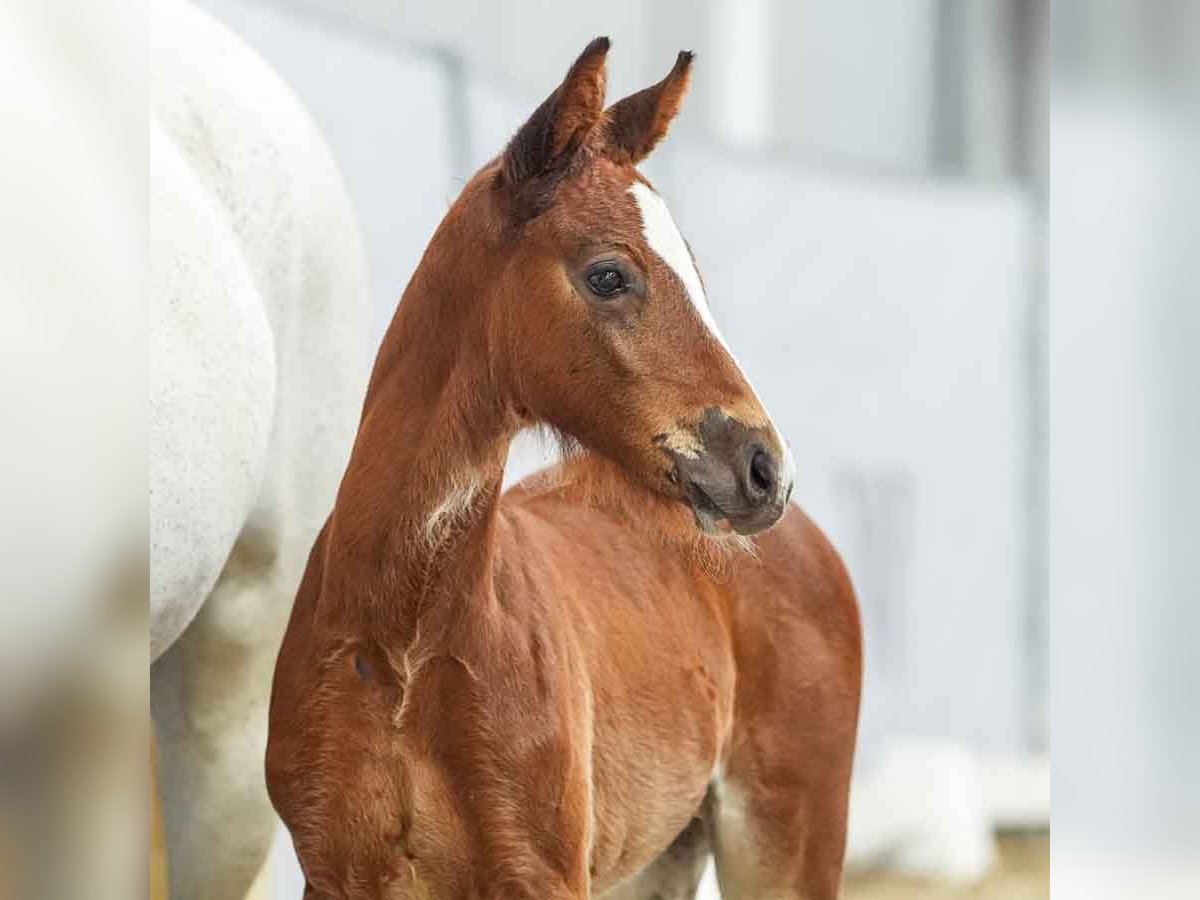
{"points": [[664, 239], [684, 442], [661, 233]]}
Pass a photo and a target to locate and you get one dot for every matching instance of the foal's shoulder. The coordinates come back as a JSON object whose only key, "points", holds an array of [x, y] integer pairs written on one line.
{"points": [[797, 540], [799, 565]]}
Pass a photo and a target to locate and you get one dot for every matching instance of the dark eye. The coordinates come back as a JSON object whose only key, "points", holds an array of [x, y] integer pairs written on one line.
{"points": [[606, 280]]}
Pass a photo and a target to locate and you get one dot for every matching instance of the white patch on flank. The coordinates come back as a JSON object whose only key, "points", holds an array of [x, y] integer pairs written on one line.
{"points": [[736, 845], [662, 234]]}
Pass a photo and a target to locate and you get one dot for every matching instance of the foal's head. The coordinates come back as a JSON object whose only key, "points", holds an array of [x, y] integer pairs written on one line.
{"points": [[597, 313]]}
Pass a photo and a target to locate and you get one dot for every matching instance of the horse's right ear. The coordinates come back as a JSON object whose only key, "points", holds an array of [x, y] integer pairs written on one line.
{"points": [[557, 128]]}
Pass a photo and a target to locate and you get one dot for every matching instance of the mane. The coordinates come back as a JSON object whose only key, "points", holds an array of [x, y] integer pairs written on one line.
{"points": [[589, 479]]}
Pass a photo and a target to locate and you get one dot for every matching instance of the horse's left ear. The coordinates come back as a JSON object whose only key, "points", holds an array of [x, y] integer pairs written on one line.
{"points": [[635, 125], [557, 128]]}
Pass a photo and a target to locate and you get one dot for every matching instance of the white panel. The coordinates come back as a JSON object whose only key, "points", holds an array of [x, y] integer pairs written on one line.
{"points": [[856, 79], [384, 114], [880, 322], [1125, 495], [742, 83]]}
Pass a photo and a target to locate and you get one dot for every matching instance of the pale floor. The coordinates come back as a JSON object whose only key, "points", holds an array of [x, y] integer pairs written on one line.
{"points": [[1023, 873]]}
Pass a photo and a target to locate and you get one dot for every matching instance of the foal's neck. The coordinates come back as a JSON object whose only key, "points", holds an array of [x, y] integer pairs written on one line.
{"points": [[415, 514]]}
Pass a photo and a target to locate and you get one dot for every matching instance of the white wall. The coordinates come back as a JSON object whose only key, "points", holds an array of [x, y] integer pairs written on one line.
{"points": [[385, 116], [849, 79], [856, 79], [880, 321], [1125, 493]]}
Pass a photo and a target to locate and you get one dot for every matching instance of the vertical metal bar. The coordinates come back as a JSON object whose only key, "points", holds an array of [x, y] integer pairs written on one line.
{"points": [[948, 133], [1029, 35]]}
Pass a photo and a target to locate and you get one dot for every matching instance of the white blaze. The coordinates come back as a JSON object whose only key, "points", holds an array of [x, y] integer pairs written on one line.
{"points": [[664, 238]]}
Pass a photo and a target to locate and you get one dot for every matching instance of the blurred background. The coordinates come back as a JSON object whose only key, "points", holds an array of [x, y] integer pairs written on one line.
{"points": [[989, 406], [973, 226], [866, 175], [971, 223]]}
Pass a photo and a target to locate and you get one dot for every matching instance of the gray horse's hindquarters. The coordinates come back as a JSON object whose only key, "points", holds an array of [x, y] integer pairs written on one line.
{"points": [[258, 330]]}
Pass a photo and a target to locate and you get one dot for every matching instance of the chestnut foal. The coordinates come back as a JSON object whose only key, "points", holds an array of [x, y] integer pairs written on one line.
{"points": [[564, 692]]}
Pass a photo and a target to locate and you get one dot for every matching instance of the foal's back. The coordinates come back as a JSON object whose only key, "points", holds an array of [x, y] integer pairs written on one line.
{"points": [[737, 674]]}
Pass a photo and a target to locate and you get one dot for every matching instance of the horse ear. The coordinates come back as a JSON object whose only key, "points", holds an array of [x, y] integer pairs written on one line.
{"points": [[559, 126], [635, 125]]}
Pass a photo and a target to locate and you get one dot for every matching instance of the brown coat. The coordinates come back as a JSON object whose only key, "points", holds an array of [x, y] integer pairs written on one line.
{"points": [[566, 690]]}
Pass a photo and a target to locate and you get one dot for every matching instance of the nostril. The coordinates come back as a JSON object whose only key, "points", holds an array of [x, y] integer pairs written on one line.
{"points": [[762, 473]]}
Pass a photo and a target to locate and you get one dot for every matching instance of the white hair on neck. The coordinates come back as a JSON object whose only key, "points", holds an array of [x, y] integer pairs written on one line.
{"points": [[452, 509]]}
